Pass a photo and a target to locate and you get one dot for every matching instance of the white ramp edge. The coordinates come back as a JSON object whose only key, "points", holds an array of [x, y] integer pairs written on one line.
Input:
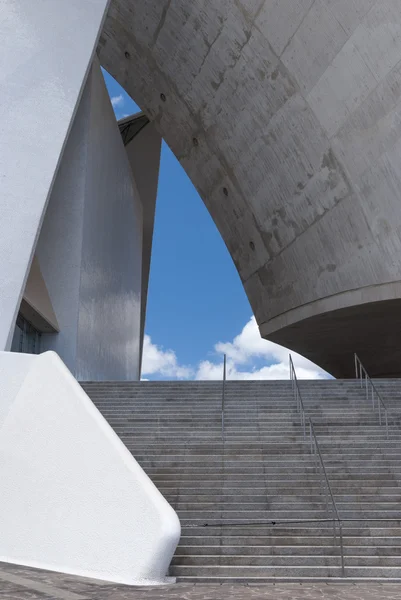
{"points": [[72, 497]]}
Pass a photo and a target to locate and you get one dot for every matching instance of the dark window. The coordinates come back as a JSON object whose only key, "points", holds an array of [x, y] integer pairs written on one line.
{"points": [[26, 338]]}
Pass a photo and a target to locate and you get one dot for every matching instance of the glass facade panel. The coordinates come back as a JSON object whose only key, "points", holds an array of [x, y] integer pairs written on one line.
{"points": [[26, 338]]}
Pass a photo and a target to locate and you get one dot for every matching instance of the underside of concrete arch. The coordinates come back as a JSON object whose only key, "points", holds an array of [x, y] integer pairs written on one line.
{"points": [[287, 118]]}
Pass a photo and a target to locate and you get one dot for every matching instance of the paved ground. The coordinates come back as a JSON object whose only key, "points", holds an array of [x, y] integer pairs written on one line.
{"points": [[19, 583]]}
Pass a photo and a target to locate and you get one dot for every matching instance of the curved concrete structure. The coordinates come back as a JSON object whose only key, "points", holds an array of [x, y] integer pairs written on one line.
{"points": [[286, 116]]}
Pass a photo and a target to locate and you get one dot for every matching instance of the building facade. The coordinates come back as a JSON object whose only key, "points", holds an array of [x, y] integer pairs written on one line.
{"points": [[75, 279], [285, 116]]}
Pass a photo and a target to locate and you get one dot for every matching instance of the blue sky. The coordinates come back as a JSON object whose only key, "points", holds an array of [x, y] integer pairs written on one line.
{"points": [[197, 307]]}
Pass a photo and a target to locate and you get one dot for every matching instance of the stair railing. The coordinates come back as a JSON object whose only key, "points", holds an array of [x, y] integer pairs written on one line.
{"points": [[371, 390], [297, 395], [223, 397], [325, 483]]}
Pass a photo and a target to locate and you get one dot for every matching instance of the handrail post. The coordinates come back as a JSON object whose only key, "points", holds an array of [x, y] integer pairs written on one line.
{"points": [[356, 365], [386, 423], [223, 397], [297, 396]]}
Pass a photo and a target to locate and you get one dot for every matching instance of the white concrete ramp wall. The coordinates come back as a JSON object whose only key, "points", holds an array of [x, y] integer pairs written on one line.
{"points": [[72, 497]]}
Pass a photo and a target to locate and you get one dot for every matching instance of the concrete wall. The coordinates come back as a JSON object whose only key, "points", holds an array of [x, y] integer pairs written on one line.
{"points": [[144, 156], [90, 247], [111, 268], [43, 69], [73, 497], [287, 117], [59, 248]]}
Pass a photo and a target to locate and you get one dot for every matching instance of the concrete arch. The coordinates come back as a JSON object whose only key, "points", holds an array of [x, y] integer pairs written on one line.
{"points": [[287, 118]]}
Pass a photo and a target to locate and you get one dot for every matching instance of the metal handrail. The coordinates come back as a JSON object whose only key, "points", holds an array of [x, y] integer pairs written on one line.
{"points": [[297, 395], [291, 522], [223, 397], [361, 373], [315, 449]]}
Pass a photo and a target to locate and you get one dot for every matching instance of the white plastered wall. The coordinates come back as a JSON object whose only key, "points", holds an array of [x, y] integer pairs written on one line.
{"points": [[73, 499]]}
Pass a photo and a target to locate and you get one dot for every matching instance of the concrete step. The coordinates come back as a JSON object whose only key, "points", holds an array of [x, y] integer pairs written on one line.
{"points": [[246, 500], [269, 560], [263, 472], [289, 549], [259, 573], [188, 517], [292, 542]]}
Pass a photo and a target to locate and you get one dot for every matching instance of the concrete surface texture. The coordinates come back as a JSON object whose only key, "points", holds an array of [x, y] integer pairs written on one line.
{"points": [[21, 583], [287, 117], [73, 498]]}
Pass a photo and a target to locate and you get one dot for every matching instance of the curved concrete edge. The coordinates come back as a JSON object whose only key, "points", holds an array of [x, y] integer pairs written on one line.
{"points": [[73, 498], [331, 338], [366, 295]]}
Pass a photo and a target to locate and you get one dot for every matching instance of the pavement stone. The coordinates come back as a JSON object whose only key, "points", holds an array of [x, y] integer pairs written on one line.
{"points": [[22, 583]]}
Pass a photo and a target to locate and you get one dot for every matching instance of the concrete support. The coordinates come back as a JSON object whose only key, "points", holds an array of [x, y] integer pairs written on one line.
{"points": [[143, 152], [286, 115], [90, 246]]}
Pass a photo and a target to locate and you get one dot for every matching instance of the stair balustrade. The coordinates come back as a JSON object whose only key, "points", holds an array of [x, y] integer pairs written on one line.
{"points": [[223, 397], [298, 396], [319, 463], [371, 391], [325, 483]]}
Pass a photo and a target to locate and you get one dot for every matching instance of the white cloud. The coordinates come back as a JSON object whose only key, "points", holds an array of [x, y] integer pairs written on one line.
{"points": [[157, 361], [117, 100], [248, 347], [248, 357], [209, 370]]}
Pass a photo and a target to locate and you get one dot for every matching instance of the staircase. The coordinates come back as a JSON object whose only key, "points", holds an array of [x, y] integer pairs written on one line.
{"points": [[228, 494]]}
